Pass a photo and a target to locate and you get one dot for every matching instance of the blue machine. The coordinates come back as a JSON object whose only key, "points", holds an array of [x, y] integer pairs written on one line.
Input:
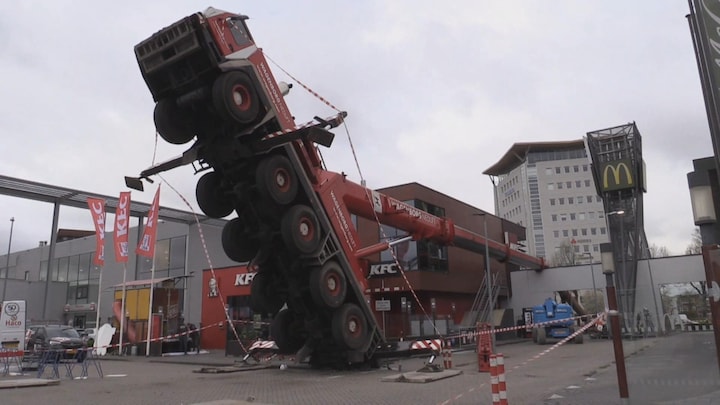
{"points": [[562, 327]]}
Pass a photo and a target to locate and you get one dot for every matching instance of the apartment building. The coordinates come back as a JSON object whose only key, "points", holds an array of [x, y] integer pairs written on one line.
{"points": [[548, 188]]}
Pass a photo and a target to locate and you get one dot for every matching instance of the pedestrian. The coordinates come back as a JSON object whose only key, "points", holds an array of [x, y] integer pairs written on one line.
{"points": [[194, 337], [182, 330]]}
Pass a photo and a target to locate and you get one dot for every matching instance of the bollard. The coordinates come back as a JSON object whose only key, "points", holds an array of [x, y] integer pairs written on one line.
{"points": [[447, 357], [502, 388], [494, 386], [484, 347]]}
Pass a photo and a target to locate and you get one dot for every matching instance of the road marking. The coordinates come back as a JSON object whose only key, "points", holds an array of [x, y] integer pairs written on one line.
{"points": [[572, 387], [115, 375], [334, 376], [556, 396]]}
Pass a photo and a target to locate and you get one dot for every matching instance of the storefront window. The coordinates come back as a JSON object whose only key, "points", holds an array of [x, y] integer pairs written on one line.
{"points": [[73, 268], [62, 269], [416, 255]]}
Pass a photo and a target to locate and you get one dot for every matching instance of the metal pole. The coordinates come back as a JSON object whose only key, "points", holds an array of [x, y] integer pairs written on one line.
{"points": [[7, 264], [152, 289], [491, 303], [616, 337], [711, 260], [657, 312]]}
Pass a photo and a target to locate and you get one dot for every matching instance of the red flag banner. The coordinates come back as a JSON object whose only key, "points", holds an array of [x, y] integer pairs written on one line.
{"points": [[122, 219], [97, 210], [146, 245]]}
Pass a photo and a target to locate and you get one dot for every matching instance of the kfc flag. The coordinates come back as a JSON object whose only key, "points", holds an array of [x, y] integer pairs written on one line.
{"points": [[97, 209], [122, 218], [146, 245]]}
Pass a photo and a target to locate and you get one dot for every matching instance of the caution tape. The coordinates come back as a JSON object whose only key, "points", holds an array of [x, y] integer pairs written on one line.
{"points": [[473, 334], [598, 318]]}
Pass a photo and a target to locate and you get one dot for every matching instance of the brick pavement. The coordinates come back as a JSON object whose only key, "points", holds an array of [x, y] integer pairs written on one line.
{"points": [[172, 380]]}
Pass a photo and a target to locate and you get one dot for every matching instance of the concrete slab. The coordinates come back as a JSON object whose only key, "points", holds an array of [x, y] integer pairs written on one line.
{"points": [[232, 369], [26, 382], [421, 377]]}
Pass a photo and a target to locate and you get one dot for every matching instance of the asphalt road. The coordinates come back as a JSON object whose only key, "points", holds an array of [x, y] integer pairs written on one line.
{"points": [[680, 367]]}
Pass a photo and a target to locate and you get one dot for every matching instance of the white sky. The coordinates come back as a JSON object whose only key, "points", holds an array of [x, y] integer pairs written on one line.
{"points": [[436, 93]]}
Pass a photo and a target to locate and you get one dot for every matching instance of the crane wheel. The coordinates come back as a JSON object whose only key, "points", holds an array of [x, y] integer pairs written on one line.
{"points": [[328, 285], [237, 242], [264, 297], [541, 336], [210, 197], [301, 230], [235, 98], [349, 327], [169, 122], [276, 179], [283, 333]]}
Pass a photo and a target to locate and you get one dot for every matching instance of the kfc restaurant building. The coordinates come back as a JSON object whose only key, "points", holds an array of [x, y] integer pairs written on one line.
{"points": [[226, 293]]}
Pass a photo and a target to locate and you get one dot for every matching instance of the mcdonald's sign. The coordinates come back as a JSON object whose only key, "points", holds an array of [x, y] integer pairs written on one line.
{"points": [[617, 175]]}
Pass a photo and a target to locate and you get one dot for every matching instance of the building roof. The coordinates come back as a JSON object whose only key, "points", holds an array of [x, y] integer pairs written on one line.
{"points": [[75, 198], [517, 154]]}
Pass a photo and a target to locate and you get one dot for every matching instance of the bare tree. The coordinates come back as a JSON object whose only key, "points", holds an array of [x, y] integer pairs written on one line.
{"points": [[564, 255], [695, 246], [658, 251]]}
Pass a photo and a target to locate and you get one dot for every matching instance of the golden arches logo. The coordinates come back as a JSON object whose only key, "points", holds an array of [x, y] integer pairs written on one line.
{"points": [[615, 170]]}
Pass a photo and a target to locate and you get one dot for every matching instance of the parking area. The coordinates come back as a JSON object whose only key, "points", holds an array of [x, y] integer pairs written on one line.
{"points": [[534, 375]]}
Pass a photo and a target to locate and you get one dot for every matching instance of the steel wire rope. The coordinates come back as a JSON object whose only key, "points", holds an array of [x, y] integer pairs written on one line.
{"points": [[204, 245], [367, 191]]}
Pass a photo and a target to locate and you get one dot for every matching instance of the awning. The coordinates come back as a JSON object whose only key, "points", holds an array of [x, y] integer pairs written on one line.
{"points": [[150, 281]]}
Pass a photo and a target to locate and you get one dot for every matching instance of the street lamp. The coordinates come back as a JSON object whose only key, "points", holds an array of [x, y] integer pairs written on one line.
{"points": [[703, 184], [608, 267], [7, 263], [592, 274], [491, 303]]}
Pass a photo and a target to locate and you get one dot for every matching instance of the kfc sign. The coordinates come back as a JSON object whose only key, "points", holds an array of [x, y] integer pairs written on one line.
{"points": [[384, 270], [243, 279]]}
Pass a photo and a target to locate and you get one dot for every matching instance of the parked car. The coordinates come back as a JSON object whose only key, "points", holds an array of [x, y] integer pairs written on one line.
{"points": [[88, 336], [40, 338]]}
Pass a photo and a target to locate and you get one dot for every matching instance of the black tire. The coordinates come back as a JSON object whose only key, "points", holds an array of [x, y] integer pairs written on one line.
{"points": [[169, 123], [276, 180], [282, 333], [541, 336], [264, 297], [235, 98], [237, 243], [212, 201], [579, 338], [349, 327], [301, 230], [328, 285], [534, 335]]}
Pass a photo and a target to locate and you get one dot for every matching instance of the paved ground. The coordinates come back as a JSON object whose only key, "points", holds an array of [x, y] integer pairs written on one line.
{"points": [[681, 367]]}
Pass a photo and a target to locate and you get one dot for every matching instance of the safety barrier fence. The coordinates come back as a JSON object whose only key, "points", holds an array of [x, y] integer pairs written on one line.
{"points": [[485, 334]]}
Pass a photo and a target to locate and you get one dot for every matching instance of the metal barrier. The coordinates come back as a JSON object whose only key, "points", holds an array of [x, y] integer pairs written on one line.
{"points": [[54, 360], [8, 358]]}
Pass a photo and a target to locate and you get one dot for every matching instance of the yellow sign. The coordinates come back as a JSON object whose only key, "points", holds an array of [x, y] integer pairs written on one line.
{"points": [[612, 178]]}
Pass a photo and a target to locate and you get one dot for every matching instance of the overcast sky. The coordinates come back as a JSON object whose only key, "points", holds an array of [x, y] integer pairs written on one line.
{"points": [[436, 93]]}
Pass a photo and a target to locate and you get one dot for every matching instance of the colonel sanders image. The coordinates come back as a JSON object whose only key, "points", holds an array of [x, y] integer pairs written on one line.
{"points": [[213, 288]]}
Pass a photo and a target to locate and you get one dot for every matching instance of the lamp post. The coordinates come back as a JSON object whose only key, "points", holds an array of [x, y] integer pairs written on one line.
{"points": [[7, 263], [703, 184], [488, 276], [608, 267], [592, 274]]}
